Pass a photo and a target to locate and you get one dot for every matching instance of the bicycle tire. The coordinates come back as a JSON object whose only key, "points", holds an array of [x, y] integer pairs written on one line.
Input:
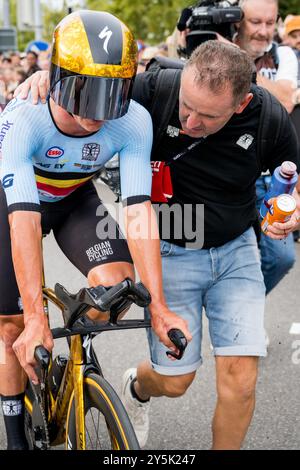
{"points": [[99, 395]]}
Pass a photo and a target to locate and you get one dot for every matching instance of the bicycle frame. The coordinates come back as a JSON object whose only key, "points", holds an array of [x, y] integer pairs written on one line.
{"points": [[82, 357], [72, 383]]}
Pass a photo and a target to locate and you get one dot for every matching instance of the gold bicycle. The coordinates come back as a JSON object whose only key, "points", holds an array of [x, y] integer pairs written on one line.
{"points": [[74, 404]]}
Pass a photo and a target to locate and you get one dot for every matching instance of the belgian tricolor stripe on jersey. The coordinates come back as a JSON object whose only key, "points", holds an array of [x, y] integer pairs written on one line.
{"points": [[60, 184]]}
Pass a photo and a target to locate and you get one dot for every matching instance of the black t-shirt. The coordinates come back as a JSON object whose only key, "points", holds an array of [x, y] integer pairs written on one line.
{"points": [[219, 173]]}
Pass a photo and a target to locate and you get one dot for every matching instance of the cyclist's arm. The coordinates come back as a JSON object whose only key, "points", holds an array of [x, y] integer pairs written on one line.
{"points": [[18, 181], [26, 235]]}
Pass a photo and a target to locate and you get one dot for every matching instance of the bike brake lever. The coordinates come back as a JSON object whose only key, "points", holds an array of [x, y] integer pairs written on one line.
{"points": [[179, 340], [42, 357]]}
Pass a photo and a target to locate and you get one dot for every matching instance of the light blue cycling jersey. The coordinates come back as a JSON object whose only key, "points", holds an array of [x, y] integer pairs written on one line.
{"points": [[41, 163]]}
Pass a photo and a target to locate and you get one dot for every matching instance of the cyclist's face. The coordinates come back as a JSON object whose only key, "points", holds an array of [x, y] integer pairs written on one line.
{"points": [[90, 125]]}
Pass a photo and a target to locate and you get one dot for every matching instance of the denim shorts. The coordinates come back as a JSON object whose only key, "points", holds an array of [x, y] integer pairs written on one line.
{"points": [[227, 281]]}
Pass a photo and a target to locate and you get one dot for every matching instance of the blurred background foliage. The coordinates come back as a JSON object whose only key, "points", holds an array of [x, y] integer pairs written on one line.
{"points": [[151, 20]]}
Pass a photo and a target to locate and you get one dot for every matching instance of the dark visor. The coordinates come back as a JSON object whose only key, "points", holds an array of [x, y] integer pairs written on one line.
{"points": [[93, 97]]}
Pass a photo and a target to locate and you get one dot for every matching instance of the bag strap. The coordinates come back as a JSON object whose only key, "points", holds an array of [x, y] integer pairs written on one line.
{"points": [[164, 101], [271, 118]]}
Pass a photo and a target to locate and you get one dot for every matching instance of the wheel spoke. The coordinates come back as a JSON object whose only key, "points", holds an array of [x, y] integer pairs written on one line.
{"points": [[89, 436], [96, 428]]}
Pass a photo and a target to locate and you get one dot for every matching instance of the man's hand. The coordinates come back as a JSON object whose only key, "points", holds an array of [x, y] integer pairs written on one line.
{"points": [[221, 38], [163, 320], [38, 84], [282, 89], [36, 333], [280, 231]]}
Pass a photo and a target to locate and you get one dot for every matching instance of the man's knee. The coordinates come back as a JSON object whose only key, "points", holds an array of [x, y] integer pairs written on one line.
{"points": [[10, 330], [110, 274], [236, 378], [176, 386]]}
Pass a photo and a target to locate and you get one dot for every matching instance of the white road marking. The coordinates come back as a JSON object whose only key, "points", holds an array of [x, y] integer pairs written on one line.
{"points": [[295, 329]]}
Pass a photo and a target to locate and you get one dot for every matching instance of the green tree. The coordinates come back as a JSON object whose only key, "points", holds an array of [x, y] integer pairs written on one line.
{"points": [[24, 37], [50, 19], [152, 20], [289, 7]]}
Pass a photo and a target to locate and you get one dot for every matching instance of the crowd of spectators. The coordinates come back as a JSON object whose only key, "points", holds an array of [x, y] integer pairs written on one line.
{"points": [[15, 67]]}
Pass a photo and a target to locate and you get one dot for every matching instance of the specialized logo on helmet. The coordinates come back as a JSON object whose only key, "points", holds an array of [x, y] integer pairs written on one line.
{"points": [[105, 34], [54, 152], [90, 152]]}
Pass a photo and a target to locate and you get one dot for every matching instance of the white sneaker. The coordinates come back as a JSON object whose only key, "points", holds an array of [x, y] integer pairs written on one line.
{"points": [[138, 412]]}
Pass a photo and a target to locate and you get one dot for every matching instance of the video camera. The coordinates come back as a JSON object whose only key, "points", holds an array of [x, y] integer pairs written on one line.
{"points": [[207, 18]]}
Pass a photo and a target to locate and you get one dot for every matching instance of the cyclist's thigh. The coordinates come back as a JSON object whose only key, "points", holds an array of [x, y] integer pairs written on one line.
{"points": [[89, 240], [10, 302]]}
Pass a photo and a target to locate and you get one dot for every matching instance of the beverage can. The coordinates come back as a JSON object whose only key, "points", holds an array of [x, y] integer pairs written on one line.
{"points": [[283, 181], [281, 211]]}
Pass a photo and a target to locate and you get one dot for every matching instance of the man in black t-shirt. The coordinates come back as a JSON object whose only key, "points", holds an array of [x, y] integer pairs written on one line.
{"points": [[211, 144], [211, 148]]}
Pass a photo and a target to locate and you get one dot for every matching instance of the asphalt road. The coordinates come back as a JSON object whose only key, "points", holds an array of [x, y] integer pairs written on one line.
{"points": [[185, 423]]}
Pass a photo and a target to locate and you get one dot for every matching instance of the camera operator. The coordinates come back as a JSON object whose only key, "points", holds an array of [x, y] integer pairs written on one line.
{"points": [[208, 19], [276, 66]]}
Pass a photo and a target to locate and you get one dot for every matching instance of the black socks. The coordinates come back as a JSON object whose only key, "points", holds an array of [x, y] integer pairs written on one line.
{"points": [[13, 413]]}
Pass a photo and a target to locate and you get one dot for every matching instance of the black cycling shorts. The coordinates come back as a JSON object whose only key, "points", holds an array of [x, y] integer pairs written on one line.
{"points": [[83, 229]]}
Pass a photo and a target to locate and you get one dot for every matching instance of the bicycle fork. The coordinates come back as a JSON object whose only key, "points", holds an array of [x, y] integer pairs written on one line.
{"points": [[78, 379], [71, 388]]}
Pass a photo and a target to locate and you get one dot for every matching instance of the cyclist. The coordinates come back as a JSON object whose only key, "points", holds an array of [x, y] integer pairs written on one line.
{"points": [[50, 154]]}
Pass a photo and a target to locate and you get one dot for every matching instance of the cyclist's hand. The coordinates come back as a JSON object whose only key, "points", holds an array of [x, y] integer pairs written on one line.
{"points": [[36, 333], [38, 84], [163, 320]]}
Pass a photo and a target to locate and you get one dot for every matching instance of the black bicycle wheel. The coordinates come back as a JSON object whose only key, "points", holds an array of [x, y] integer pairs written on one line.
{"points": [[106, 421]]}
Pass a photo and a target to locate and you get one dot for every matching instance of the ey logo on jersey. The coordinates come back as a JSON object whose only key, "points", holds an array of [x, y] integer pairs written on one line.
{"points": [[54, 152]]}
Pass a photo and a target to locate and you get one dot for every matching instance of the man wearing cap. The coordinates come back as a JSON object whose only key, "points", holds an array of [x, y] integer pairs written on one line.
{"points": [[292, 33], [292, 39]]}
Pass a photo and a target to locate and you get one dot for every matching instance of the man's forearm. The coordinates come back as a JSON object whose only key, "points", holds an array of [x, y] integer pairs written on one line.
{"points": [[144, 246], [283, 90], [25, 229]]}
